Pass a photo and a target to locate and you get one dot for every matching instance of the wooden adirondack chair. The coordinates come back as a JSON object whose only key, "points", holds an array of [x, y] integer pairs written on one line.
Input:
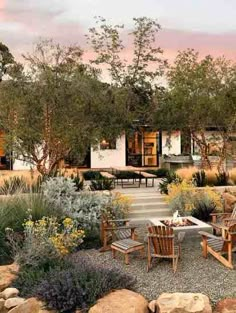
{"points": [[220, 246], [221, 221], [113, 230], [164, 245]]}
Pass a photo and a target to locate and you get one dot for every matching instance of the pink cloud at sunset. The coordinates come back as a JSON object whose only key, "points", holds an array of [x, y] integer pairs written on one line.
{"points": [[190, 24]]}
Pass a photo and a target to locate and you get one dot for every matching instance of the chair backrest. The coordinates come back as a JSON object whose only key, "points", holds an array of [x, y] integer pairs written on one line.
{"points": [[233, 215], [162, 239], [231, 235]]}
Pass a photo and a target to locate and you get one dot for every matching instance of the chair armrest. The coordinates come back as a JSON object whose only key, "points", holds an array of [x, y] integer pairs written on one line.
{"points": [[121, 220], [230, 220], [121, 227], [220, 214], [208, 235]]}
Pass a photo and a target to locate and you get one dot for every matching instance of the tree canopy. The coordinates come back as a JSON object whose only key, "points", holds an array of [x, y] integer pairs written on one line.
{"points": [[200, 95]]}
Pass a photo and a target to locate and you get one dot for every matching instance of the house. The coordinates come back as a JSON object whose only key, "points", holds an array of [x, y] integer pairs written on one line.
{"points": [[142, 148]]}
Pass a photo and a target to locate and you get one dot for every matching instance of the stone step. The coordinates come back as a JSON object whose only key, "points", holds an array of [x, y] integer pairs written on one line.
{"points": [[147, 213], [147, 200], [149, 205]]}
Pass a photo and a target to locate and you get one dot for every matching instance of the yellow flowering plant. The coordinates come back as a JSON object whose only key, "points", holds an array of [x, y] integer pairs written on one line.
{"points": [[189, 200], [47, 240]]}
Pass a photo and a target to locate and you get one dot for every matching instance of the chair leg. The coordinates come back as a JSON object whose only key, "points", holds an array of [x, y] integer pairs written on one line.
{"points": [[204, 248], [113, 253], [142, 253], [126, 258], [175, 263]]}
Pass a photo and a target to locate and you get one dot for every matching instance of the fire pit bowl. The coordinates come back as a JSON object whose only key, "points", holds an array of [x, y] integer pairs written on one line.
{"points": [[180, 223], [189, 224]]}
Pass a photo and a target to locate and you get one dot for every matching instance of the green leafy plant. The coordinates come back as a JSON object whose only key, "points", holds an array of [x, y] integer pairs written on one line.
{"points": [[171, 177], [222, 178], [160, 172], [90, 175], [199, 178], [127, 175], [78, 181], [102, 184], [60, 192], [81, 285]]}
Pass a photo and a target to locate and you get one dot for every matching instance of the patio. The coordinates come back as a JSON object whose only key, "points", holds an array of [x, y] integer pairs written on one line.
{"points": [[194, 273]]}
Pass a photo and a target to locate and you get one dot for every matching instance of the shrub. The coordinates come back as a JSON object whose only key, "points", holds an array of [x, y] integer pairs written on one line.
{"points": [[90, 175], [160, 172], [79, 183], [211, 177], [60, 192], [222, 178], [171, 178], [89, 207], [80, 285], [187, 200], [46, 241], [14, 211], [14, 185], [199, 179], [127, 175], [102, 184]]}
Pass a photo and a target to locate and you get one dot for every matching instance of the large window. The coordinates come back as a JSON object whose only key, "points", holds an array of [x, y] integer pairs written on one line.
{"points": [[142, 149]]}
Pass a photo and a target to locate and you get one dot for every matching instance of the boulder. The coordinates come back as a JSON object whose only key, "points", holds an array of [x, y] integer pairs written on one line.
{"points": [[181, 302], [121, 301], [9, 293], [28, 306], [7, 275], [12, 302], [229, 201], [226, 306]]}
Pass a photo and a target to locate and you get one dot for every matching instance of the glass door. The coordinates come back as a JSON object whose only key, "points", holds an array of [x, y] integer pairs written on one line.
{"points": [[142, 149], [150, 149]]}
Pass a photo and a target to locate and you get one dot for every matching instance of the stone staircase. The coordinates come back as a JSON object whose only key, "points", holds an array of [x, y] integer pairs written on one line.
{"points": [[147, 203]]}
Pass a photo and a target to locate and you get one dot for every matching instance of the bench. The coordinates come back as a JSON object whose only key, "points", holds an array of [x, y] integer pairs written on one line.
{"points": [[147, 176], [108, 176], [127, 246]]}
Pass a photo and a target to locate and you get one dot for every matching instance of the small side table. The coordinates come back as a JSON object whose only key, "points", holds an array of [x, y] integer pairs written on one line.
{"points": [[127, 246]]}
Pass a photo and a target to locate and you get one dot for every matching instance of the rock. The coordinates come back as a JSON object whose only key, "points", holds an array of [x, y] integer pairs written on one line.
{"points": [[12, 302], [7, 275], [229, 201], [121, 301], [2, 301], [226, 306], [184, 303], [9, 293], [28, 306], [153, 306]]}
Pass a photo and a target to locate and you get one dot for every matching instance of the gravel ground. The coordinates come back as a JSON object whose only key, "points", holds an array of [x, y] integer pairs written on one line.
{"points": [[194, 273]]}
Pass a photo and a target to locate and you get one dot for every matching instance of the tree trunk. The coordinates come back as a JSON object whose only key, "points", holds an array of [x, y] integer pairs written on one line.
{"points": [[204, 149]]}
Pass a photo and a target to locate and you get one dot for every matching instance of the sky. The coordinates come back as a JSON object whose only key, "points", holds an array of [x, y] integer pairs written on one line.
{"points": [[208, 26]]}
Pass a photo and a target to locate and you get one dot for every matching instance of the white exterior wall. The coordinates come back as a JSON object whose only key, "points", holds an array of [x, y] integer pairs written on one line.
{"points": [[110, 158], [21, 165], [171, 144]]}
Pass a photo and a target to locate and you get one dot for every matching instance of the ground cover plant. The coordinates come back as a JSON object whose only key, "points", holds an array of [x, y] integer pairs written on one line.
{"points": [[102, 184]]}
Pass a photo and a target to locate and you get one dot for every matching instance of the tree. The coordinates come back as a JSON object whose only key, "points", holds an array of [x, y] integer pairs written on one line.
{"points": [[200, 95], [137, 81], [53, 106], [6, 59]]}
